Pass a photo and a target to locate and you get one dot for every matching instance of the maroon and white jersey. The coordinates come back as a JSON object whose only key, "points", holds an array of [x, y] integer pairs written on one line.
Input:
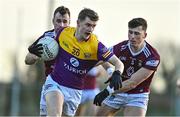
{"points": [[147, 57], [49, 65], [89, 82]]}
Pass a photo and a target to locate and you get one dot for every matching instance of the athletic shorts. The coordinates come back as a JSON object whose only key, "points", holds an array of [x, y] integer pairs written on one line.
{"points": [[89, 94], [72, 97], [119, 100]]}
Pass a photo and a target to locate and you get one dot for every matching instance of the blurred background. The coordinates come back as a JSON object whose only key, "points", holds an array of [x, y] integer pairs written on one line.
{"points": [[23, 21]]}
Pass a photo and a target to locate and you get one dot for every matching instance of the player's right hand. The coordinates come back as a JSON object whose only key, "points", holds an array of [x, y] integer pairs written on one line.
{"points": [[100, 97], [115, 80], [36, 49]]}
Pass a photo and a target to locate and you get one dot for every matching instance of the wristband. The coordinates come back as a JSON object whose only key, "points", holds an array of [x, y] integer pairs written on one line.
{"points": [[110, 90], [110, 71]]}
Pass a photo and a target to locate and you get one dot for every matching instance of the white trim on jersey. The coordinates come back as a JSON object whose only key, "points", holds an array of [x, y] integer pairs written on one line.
{"points": [[146, 52], [133, 53]]}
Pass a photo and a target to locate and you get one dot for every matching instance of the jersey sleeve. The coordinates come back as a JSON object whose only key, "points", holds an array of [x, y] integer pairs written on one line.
{"points": [[41, 36], [49, 33], [116, 49], [152, 63], [103, 52]]}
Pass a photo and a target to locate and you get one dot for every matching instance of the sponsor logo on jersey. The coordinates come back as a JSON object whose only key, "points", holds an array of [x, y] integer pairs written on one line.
{"points": [[140, 63], [123, 47], [130, 71], [141, 90], [73, 69], [152, 63], [132, 60], [122, 58], [74, 62], [46, 87]]}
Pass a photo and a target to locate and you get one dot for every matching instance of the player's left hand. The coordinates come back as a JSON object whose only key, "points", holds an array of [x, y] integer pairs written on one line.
{"points": [[100, 97], [115, 80], [36, 48]]}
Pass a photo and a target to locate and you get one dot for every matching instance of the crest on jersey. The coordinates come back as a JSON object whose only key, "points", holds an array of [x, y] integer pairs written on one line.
{"points": [[140, 62], [87, 55], [123, 47], [74, 62], [130, 71]]}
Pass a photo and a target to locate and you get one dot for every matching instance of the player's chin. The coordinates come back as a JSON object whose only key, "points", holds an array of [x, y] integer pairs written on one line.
{"points": [[133, 44], [57, 28]]}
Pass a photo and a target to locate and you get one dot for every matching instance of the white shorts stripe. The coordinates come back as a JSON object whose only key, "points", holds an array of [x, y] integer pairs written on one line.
{"points": [[123, 99]]}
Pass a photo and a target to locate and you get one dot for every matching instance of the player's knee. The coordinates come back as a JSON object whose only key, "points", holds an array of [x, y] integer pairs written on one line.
{"points": [[54, 111], [54, 101]]}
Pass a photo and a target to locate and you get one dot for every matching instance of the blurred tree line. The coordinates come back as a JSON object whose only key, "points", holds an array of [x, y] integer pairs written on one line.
{"points": [[29, 96], [164, 98]]}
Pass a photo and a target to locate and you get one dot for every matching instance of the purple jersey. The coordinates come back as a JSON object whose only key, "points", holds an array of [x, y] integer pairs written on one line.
{"points": [[147, 57], [75, 58]]}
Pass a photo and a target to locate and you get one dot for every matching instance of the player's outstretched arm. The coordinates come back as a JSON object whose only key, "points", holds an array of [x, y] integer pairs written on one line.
{"points": [[137, 78], [117, 63], [115, 81]]}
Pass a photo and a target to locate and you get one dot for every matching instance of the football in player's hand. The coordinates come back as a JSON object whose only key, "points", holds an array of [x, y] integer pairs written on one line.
{"points": [[50, 48]]}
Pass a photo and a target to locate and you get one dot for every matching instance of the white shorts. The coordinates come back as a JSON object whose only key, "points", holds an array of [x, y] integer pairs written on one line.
{"points": [[72, 97], [88, 95], [123, 99]]}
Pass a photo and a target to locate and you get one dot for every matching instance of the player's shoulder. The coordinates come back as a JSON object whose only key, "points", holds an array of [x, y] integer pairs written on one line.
{"points": [[49, 33], [65, 31], [152, 51], [69, 29], [121, 45], [94, 38]]}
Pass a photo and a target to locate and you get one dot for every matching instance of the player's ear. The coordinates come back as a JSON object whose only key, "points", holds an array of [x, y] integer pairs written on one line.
{"points": [[145, 34], [53, 20], [69, 22], [78, 23]]}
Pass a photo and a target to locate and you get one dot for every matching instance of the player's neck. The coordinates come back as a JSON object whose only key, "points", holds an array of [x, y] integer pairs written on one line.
{"points": [[136, 49], [78, 37]]}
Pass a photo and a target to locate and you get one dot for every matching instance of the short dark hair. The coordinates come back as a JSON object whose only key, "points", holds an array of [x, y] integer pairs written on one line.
{"points": [[62, 10], [86, 12], [138, 22]]}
